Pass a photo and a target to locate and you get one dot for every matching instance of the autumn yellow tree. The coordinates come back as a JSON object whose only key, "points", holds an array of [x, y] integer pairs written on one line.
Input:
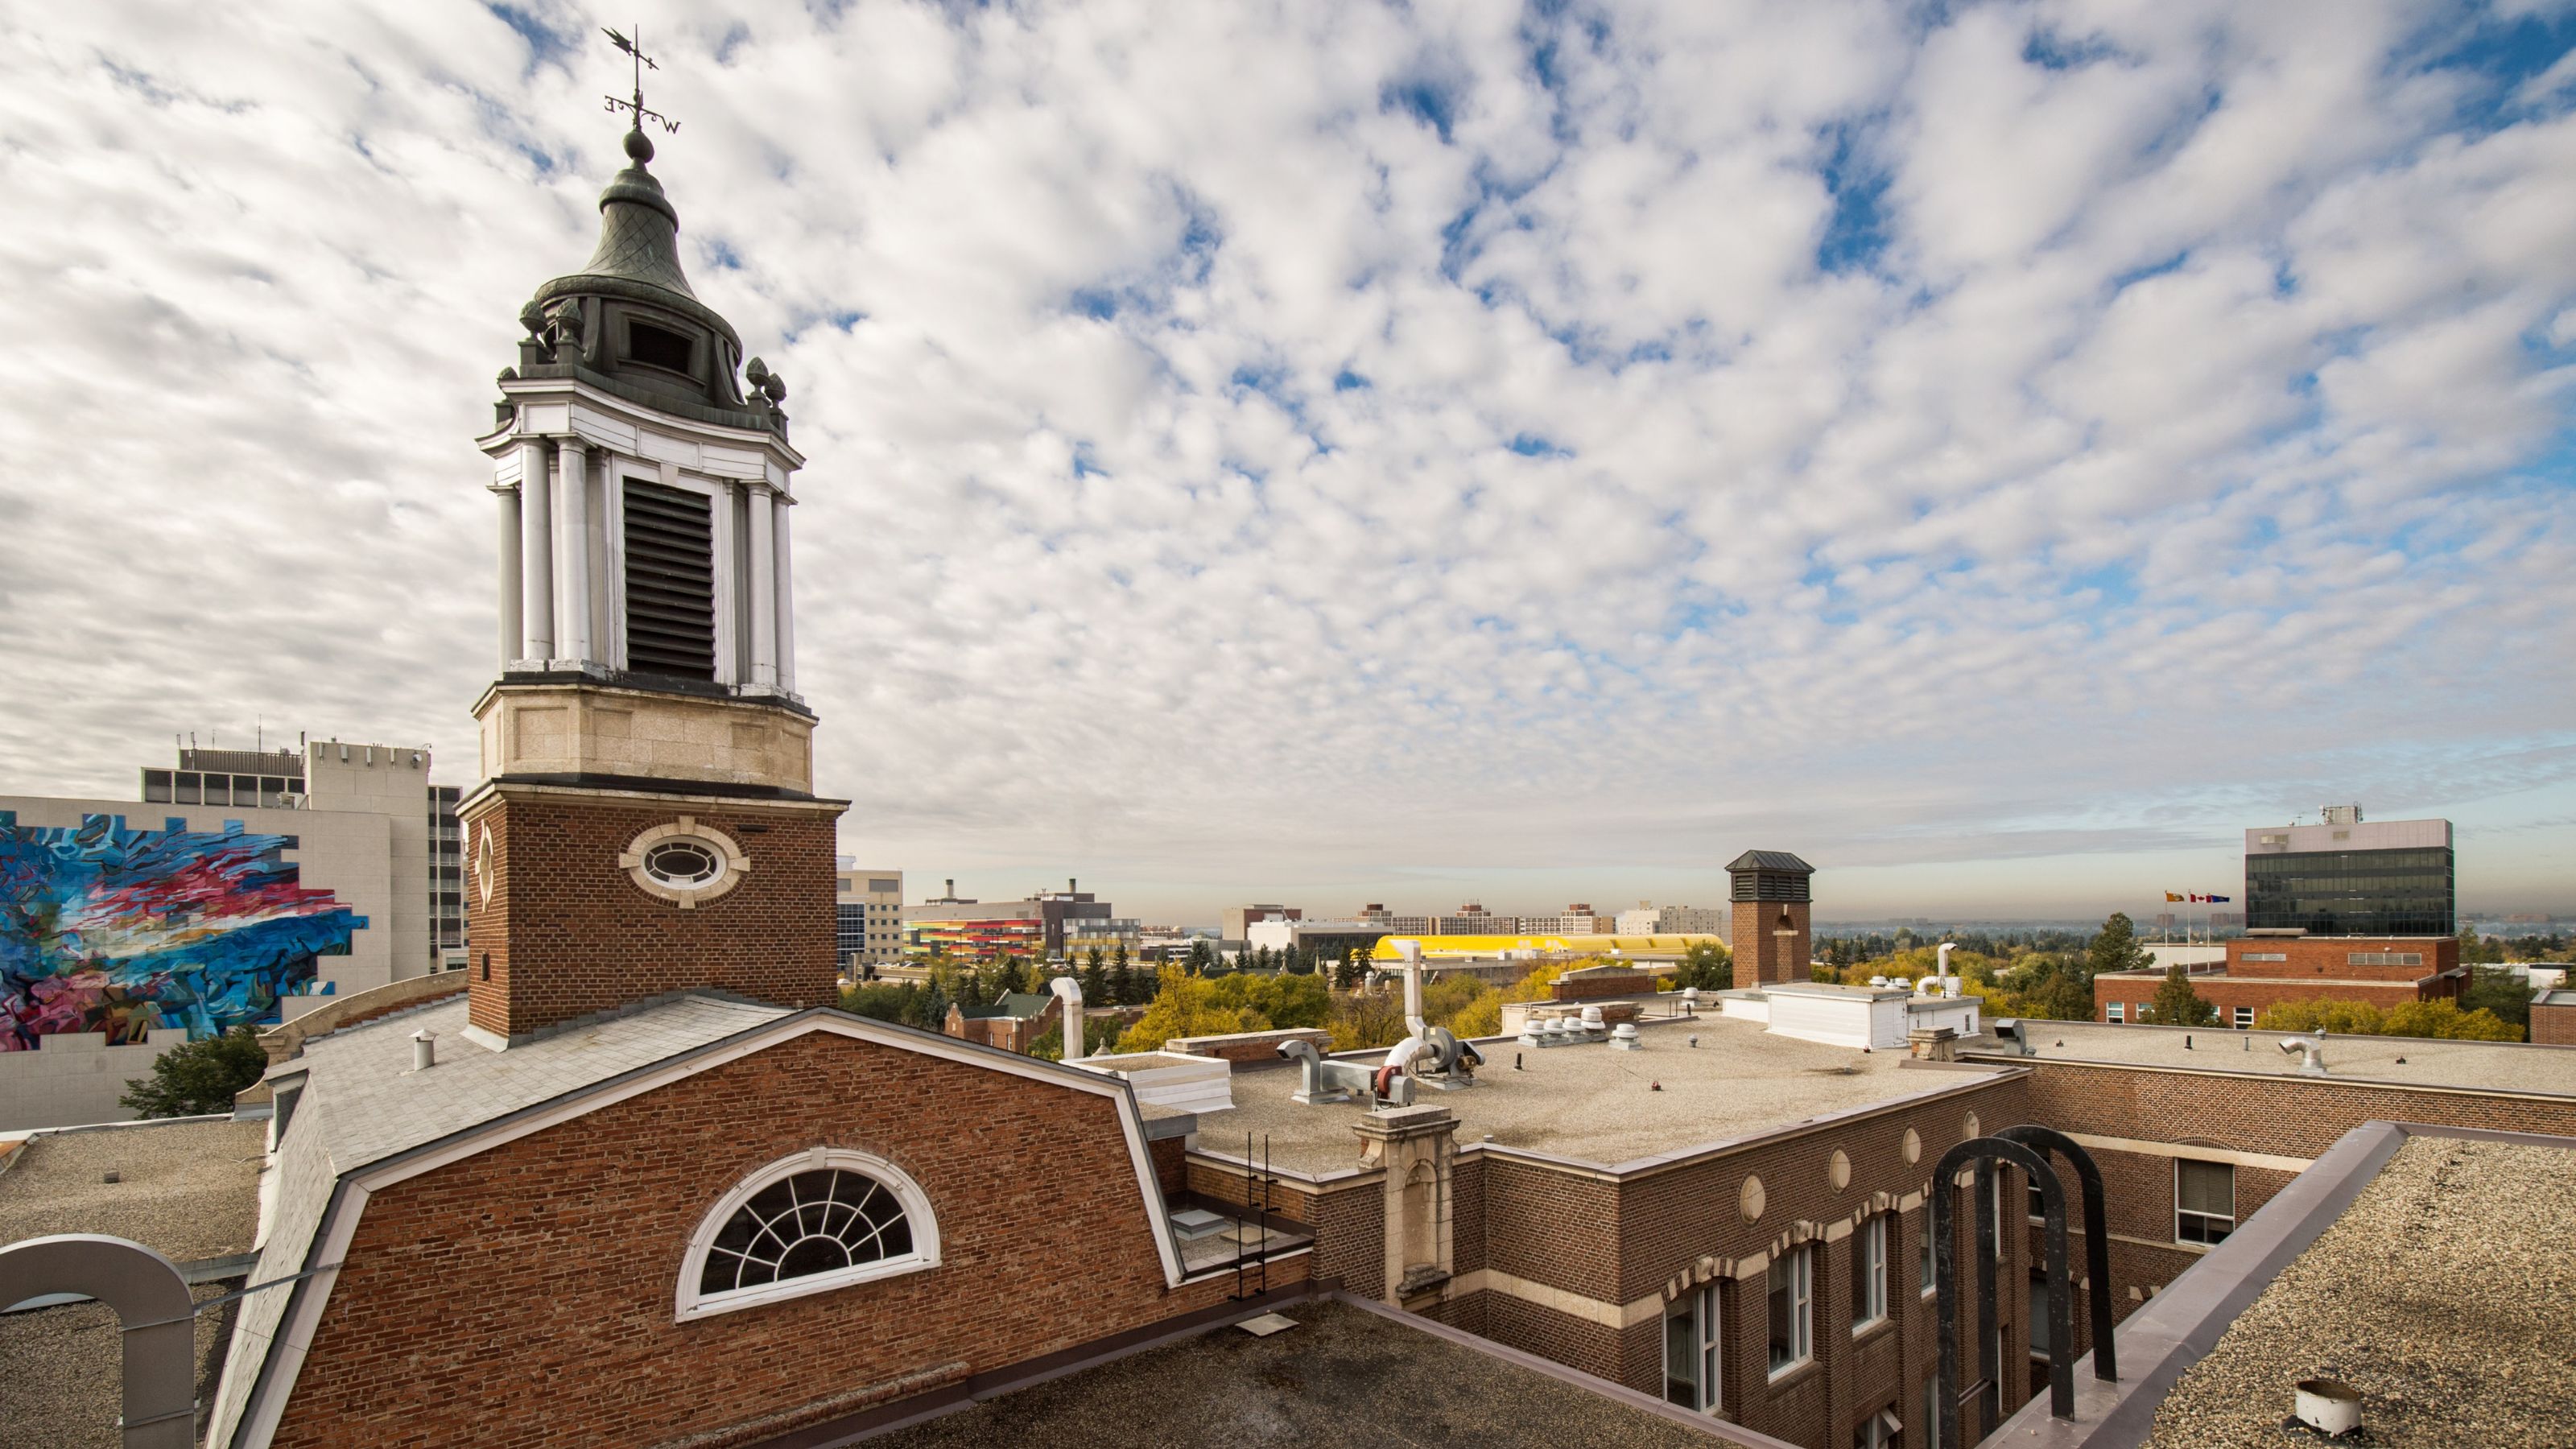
{"points": [[1186, 1005]]}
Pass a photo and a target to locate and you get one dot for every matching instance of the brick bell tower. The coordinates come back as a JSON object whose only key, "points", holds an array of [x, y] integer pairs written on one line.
{"points": [[1770, 930], [647, 822]]}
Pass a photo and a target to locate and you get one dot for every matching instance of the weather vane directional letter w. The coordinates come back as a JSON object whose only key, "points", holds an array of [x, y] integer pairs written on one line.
{"points": [[643, 63]]}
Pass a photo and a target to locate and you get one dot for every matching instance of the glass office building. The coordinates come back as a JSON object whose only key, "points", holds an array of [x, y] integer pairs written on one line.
{"points": [[2347, 878]]}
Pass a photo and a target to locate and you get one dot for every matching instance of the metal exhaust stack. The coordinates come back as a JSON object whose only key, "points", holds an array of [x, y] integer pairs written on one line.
{"points": [[424, 1050]]}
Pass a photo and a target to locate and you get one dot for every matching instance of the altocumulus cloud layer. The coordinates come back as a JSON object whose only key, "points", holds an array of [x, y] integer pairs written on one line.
{"points": [[1263, 445]]}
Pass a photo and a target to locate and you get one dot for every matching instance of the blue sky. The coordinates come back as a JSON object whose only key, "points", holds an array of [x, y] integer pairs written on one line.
{"points": [[1348, 452]]}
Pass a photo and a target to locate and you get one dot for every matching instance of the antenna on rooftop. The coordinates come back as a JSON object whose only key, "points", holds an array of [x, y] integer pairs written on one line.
{"points": [[635, 49]]}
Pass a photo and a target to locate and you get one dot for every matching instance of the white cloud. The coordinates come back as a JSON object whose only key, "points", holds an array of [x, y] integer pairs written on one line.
{"points": [[2183, 436]]}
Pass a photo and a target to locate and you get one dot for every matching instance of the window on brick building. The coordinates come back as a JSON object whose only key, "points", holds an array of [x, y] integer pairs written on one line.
{"points": [[1691, 1350], [1925, 1264], [1792, 1305], [810, 1223], [2114, 1012], [1869, 1274], [2244, 1018], [1878, 1431], [2204, 1201]]}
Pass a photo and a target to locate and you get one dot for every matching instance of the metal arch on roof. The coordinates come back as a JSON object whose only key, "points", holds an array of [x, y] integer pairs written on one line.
{"points": [[1771, 860]]}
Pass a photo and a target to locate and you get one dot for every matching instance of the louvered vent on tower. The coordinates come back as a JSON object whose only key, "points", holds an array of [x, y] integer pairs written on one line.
{"points": [[670, 582]]}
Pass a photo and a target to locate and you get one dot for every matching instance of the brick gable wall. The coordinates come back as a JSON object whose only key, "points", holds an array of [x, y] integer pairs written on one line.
{"points": [[524, 1296]]}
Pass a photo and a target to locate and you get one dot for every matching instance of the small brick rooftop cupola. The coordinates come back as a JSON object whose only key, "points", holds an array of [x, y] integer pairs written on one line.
{"points": [[1770, 932], [647, 822]]}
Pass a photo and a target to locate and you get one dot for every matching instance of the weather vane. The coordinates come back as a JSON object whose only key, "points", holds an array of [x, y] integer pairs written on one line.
{"points": [[643, 63]]}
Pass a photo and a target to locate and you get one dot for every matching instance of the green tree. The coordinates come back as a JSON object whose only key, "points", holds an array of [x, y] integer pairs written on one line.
{"points": [[1705, 964], [2115, 948], [2499, 992], [1202, 955], [1301, 960], [2176, 1004], [1099, 1036], [1095, 978], [199, 1078], [1347, 975]]}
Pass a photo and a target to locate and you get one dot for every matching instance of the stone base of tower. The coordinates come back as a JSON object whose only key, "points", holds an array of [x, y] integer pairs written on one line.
{"points": [[1771, 941], [564, 920], [536, 726]]}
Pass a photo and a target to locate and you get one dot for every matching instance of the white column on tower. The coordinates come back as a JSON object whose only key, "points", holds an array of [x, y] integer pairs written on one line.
{"points": [[536, 554], [763, 549], [572, 551], [508, 498], [781, 512]]}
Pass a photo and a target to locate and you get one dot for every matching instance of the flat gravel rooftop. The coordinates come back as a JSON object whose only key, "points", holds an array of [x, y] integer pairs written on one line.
{"points": [[2442, 1294], [1595, 1105], [2412, 1060], [1342, 1376], [189, 1190]]}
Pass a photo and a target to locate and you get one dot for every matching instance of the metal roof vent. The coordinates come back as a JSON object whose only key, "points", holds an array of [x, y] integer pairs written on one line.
{"points": [[2311, 1051], [2328, 1406], [1623, 1037]]}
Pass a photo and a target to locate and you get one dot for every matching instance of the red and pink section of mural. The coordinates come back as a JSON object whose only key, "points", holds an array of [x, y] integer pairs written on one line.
{"points": [[108, 929]]}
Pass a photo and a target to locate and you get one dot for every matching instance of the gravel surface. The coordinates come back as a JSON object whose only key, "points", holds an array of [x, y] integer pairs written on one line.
{"points": [[189, 1190], [2443, 1294], [1341, 1377], [64, 1366]]}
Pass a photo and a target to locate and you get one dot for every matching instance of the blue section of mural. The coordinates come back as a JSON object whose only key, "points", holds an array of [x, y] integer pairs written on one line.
{"points": [[103, 928]]}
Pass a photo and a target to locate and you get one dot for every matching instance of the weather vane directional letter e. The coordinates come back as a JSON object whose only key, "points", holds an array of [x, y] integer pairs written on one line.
{"points": [[643, 62]]}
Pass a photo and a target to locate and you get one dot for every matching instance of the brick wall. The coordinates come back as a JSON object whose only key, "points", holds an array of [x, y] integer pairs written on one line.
{"points": [[2554, 1025], [2312, 967], [1762, 958], [567, 931], [1589, 985], [524, 1296], [2278, 1116]]}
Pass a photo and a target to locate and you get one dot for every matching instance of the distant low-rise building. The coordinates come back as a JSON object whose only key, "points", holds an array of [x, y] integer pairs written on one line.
{"points": [[2263, 970], [1238, 921], [869, 906], [975, 932]]}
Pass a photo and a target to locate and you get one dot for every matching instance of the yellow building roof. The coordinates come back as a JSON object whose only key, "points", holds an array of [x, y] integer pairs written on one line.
{"points": [[1435, 947]]}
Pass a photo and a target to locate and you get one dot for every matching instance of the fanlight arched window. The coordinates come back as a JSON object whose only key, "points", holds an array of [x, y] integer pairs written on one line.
{"points": [[810, 1223]]}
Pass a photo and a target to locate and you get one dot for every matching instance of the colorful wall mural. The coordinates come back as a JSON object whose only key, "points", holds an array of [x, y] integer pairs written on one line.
{"points": [[108, 929]]}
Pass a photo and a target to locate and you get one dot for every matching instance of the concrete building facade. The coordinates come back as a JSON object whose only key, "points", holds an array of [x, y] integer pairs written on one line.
{"points": [[868, 905]]}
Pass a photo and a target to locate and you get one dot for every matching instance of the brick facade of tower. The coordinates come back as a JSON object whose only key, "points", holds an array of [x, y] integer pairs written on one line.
{"points": [[1771, 940], [566, 931], [1769, 929]]}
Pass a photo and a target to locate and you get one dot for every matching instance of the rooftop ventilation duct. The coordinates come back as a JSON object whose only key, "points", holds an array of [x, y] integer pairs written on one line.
{"points": [[2311, 1051]]}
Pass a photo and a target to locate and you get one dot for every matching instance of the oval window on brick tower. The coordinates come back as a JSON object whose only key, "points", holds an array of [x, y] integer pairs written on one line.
{"points": [[684, 862]]}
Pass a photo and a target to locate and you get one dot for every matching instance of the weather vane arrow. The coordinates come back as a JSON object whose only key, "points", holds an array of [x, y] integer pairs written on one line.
{"points": [[643, 63]]}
